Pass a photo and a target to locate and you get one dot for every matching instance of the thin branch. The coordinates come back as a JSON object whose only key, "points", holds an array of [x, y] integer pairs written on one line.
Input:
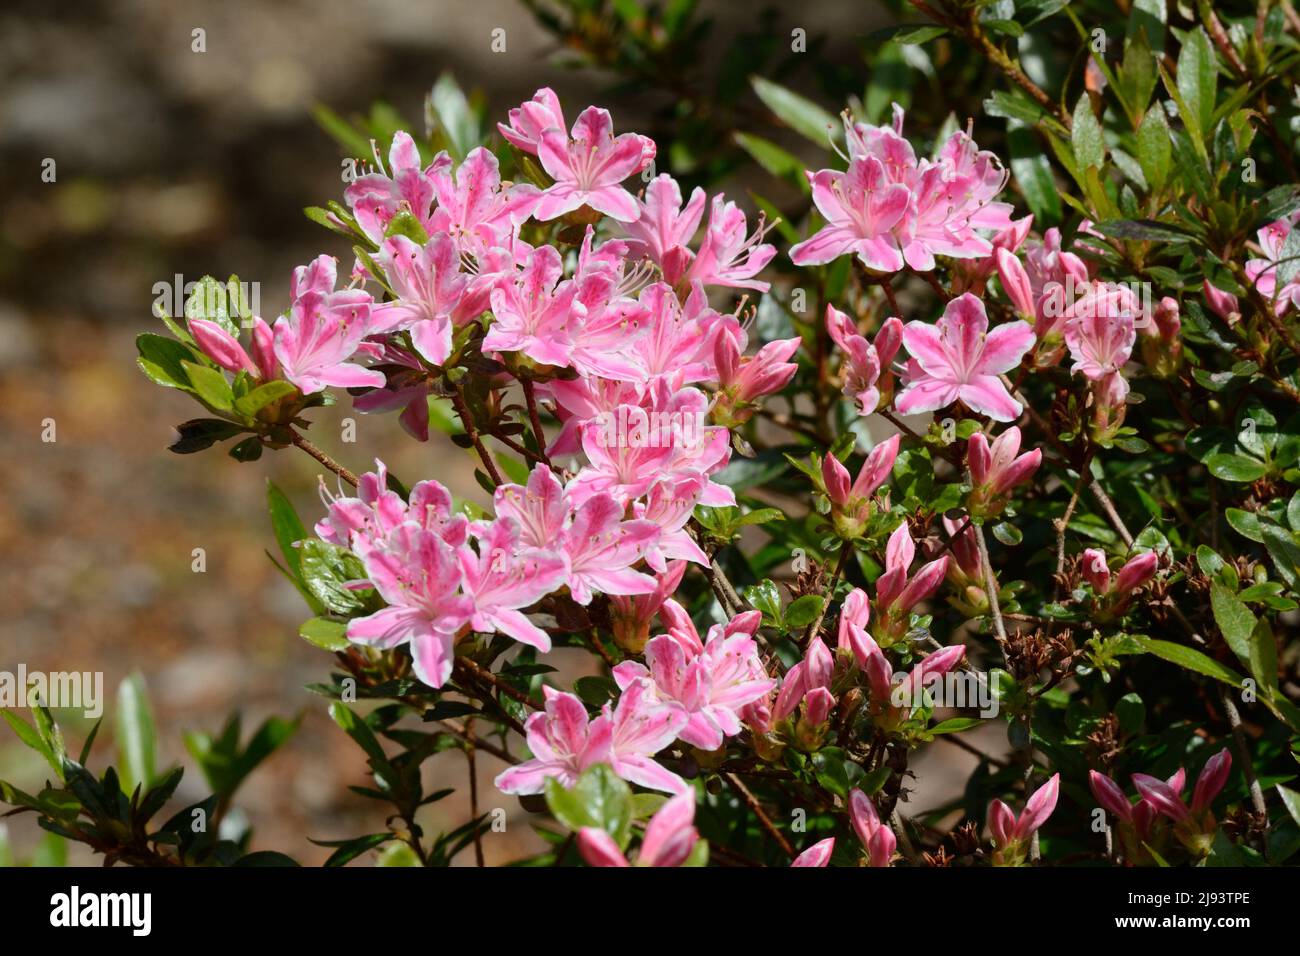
{"points": [[323, 458], [752, 802]]}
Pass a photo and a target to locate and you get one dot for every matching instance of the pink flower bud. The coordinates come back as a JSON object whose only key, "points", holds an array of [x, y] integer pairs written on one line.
{"points": [[1136, 572], [877, 467], [222, 347], [1212, 779], [818, 703], [1015, 282], [599, 849], [1110, 796], [837, 480], [670, 835], [818, 664], [1095, 571], [817, 855], [1223, 304], [1161, 796]]}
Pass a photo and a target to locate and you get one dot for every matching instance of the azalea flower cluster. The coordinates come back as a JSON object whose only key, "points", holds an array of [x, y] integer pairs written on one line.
{"points": [[466, 284]]}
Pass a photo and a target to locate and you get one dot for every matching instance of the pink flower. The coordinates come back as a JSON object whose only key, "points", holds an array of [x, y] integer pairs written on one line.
{"points": [[376, 197], [713, 682], [670, 504], [322, 331], [532, 311], [959, 359], [878, 840], [952, 198], [817, 855], [854, 613], [502, 577], [1264, 272], [633, 447], [730, 255], [670, 836], [664, 229], [564, 742], [995, 470], [416, 572], [1100, 329], [1016, 284], [366, 521], [866, 366], [598, 545], [970, 275], [433, 295], [589, 167], [602, 547], [1167, 799], [676, 338], [474, 209], [1012, 833], [530, 119], [861, 207], [643, 725]]}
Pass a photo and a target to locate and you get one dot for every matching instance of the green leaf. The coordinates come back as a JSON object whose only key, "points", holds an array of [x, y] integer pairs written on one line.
{"points": [[1086, 140], [324, 633], [326, 571], [256, 400], [836, 773], [1236, 468], [1131, 712], [774, 159], [162, 360], [1033, 173], [1197, 77], [599, 799], [803, 610], [797, 112], [1262, 656], [198, 434], [1245, 523], [449, 107], [135, 734], [28, 735], [764, 597], [211, 300], [1284, 548], [287, 527], [1189, 658], [1236, 621], [1290, 800], [210, 385], [1154, 147]]}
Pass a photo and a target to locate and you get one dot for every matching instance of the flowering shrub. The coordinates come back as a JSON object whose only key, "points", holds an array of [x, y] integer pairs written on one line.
{"points": [[973, 452]]}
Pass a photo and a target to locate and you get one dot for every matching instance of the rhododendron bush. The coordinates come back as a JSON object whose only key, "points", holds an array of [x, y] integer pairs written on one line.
{"points": [[982, 446]]}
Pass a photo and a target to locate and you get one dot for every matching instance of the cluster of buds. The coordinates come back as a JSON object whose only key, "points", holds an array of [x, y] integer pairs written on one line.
{"points": [[1140, 824], [807, 690], [1012, 834], [878, 840], [996, 469], [966, 569], [1113, 594], [1161, 341], [851, 504]]}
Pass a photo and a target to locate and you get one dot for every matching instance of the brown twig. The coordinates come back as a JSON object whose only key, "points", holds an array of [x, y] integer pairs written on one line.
{"points": [[323, 458], [752, 802]]}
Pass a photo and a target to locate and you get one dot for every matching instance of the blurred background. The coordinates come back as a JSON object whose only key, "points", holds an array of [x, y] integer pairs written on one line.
{"points": [[172, 163]]}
